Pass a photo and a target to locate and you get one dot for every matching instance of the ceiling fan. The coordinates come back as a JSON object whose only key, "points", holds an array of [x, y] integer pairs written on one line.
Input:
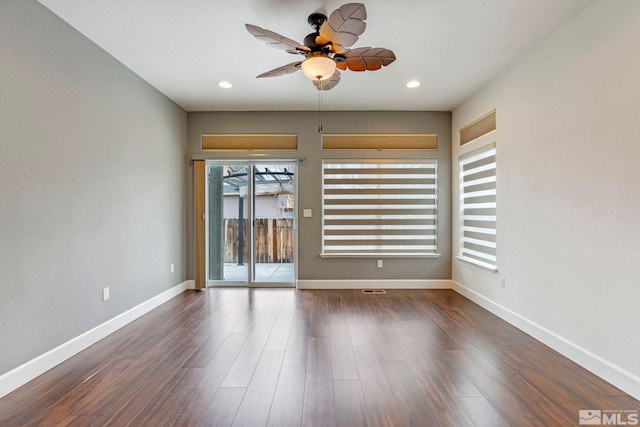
{"points": [[326, 49]]}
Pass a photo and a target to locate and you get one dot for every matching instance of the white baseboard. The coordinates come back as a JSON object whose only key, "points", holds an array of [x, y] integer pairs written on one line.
{"points": [[606, 370], [374, 284], [35, 367]]}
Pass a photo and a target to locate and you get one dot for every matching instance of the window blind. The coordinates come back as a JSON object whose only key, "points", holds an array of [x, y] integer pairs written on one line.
{"points": [[379, 141], [478, 128], [380, 207], [261, 142], [478, 204]]}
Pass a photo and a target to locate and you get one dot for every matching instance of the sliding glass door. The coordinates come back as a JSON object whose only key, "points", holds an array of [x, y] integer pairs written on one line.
{"points": [[251, 220]]}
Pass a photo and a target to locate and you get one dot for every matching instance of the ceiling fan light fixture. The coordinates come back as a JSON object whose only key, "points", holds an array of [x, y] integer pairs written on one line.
{"points": [[318, 66], [328, 47]]}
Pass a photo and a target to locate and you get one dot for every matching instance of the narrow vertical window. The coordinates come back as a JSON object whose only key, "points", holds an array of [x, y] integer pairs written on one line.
{"points": [[478, 206]]}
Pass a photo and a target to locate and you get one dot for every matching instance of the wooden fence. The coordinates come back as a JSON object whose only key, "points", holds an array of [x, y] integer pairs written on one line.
{"points": [[275, 240]]}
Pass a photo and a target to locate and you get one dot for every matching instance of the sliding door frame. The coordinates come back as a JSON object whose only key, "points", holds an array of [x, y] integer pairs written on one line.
{"points": [[202, 251]]}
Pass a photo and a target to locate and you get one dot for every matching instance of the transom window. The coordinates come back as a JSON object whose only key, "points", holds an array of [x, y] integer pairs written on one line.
{"points": [[380, 207]]}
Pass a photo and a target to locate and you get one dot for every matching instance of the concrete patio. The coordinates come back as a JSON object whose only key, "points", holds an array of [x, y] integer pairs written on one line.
{"points": [[264, 273]]}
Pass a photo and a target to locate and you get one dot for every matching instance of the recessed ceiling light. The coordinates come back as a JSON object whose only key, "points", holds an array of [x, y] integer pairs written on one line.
{"points": [[413, 83], [225, 84]]}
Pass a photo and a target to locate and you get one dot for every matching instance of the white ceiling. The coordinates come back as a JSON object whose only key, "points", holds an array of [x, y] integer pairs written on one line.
{"points": [[184, 48]]}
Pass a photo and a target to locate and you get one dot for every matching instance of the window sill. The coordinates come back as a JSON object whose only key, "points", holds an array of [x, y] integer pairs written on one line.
{"points": [[478, 264], [378, 256]]}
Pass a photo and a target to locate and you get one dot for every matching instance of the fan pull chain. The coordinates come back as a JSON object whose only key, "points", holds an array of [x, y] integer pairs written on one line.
{"points": [[320, 108]]}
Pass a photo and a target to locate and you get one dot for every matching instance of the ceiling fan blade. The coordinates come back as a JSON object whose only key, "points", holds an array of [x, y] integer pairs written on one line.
{"points": [[273, 39], [299, 50], [368, 58], [329, 83], [281, 71], [343, 27]]}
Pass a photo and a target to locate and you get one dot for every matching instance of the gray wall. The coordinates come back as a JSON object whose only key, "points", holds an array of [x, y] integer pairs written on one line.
{"points": [[568, 189], [92, 185], [305, 124]]}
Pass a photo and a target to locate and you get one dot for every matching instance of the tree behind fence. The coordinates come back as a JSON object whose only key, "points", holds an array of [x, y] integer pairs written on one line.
{"points": [[274, 240]]}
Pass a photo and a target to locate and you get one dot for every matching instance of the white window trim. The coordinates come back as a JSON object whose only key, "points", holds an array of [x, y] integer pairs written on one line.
{"points": [[478, 263], [379, 255]]}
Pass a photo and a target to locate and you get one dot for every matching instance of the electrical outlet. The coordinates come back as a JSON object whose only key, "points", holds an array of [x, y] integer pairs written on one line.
{"points": [[502, 282], [380, 263], [105, 294], [173, 268]]}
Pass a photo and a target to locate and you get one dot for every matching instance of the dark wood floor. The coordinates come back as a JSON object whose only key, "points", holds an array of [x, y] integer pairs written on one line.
{"points": [[283, 357]]}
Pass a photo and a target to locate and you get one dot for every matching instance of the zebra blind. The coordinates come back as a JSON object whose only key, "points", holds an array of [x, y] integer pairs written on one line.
{"points": [[380, 207], [478, 204]]}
